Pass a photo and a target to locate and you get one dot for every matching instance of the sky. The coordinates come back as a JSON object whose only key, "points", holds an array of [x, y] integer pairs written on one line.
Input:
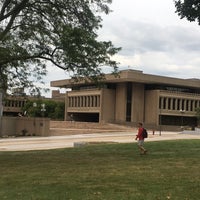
{"points": [[153, 39]]}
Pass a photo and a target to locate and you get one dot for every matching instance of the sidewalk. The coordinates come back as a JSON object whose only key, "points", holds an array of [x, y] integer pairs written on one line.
{"points": [[54, 142]]}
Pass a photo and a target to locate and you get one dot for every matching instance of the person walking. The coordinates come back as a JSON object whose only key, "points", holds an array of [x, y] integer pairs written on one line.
{"points": [[140, 139]]}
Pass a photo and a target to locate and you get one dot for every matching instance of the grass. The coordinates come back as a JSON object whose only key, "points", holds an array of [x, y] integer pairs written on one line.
{"points": [[171, 170]]}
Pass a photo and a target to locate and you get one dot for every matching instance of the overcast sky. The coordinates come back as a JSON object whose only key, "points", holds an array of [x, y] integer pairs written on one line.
{"points": [[153, 39]]}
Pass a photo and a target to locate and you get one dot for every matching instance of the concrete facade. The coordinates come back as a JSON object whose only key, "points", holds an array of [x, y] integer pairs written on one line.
{"points": [[133, 96], [24, 126]]}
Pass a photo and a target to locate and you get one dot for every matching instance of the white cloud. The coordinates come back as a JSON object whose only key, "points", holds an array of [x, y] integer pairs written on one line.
{"points": [[153, 39]]}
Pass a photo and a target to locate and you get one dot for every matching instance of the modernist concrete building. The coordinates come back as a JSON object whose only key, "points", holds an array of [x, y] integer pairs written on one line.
{"points": [[132, 97]]}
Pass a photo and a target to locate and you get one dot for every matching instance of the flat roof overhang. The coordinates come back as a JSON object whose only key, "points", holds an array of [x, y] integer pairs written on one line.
{"points": [[132, 76]]}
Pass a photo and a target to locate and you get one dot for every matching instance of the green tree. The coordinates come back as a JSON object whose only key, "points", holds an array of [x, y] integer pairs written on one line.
{"points": [[53, 109], [189, 9], [35, 33]]}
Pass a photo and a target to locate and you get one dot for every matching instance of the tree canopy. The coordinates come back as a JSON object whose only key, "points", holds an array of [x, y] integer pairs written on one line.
{"points": [[189, 9], [53, 110], [35, 33]]}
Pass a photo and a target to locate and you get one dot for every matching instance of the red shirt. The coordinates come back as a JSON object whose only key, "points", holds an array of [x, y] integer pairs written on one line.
{"points": [[139, 135]]}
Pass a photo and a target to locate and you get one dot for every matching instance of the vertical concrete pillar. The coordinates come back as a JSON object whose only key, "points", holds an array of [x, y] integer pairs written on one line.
{"points": [[138, 103], [185, 104], [193, 105], [198, 104], [171, 104], [95, 101], [68, 101], [176, 104], [120, 109], [88, 101], [167, 102], [189, 105], [98, 101]]}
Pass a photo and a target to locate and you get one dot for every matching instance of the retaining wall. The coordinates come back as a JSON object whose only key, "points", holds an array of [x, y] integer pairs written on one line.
{"points": [[24, 126]]}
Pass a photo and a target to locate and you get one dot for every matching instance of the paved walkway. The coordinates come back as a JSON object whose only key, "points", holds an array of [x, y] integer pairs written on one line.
{"points": [[54, 142]]}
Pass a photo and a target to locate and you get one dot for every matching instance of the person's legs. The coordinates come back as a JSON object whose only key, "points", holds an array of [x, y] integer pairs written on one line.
{"points": [[141, 147]]}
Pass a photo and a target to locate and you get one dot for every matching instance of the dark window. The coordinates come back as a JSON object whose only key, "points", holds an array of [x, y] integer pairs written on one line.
{"points": [[128, 101]]}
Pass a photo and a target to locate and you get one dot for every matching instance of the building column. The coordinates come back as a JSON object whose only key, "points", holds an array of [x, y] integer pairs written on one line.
{"points": [[98, 101], [167, 102], [161, 102], [189, 105], [185, 107], [171, 104], [198, 103], [95, 101], [193, 105], [83, 101]]}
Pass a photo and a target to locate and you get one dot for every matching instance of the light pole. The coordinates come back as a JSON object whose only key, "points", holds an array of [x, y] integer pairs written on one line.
{"points": [[43, 109], [160, 122], [34, 106], [34, 122], [182, 112]]}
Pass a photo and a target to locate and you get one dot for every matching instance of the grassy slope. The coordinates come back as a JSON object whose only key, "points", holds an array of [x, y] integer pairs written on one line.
{"points": [[171, 170]]}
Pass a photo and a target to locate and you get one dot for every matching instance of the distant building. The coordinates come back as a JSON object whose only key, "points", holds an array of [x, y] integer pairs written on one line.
{"points": [[132, 97], [13, 104]]}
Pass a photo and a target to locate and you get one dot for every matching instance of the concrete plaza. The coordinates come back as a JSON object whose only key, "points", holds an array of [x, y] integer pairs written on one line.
{"points": [[69, 141]]}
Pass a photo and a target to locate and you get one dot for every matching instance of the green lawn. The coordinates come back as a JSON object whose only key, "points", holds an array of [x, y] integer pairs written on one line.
{"points": [[171, 170]]}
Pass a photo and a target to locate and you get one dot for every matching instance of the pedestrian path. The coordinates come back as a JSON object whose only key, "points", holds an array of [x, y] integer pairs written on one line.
{"points": [[67, 141]]}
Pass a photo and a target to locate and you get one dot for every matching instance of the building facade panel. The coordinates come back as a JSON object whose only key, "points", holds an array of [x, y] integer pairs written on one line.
{"points": [[107, 113], [134, 96], [120, 106], [138, 102], [151, 112]]}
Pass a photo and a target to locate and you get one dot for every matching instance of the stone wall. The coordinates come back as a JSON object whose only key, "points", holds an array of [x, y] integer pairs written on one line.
{"points": [[24, 126]]}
